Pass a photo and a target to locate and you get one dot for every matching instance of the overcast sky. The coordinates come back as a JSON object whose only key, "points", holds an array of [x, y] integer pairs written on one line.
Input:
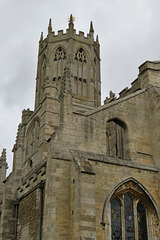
{"points": [[128, 31]]}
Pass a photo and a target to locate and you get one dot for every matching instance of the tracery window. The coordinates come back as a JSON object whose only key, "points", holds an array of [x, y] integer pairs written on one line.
{"points": [[80, 73], [58, 63], [128, 218], [33, 137], [60, 54], [80, 56]]}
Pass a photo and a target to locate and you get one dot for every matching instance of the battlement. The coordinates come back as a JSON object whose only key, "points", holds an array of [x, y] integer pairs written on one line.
{"points": [[70, 32], [26, 113]]}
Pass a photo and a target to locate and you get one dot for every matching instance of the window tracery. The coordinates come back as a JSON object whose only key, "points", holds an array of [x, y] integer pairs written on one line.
{"points": [[80, 73], [33, 137], [131, 213], [124, 222], [81, 56], [60, 54]]}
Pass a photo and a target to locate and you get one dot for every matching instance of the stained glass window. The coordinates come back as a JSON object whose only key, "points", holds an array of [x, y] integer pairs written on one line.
{"points": [[129, 217], [116, 219], [142, 226]]}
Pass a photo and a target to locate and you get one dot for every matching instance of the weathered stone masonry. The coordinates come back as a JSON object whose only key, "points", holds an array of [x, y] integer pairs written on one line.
{"points": [[82, 170]]}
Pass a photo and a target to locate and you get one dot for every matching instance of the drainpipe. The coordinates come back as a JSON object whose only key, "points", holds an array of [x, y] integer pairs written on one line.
{"points": [[16, 204], [41, 187]]}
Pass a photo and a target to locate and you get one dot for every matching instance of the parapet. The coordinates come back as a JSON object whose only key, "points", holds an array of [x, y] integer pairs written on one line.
{"points": [[26, 114], [70, 32], [149, 75], [148, 65]]}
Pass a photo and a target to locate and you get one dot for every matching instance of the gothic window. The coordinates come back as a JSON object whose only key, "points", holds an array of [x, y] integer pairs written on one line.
{"points": [[130, 213], [81, 56], [60, 54], [33, 138], [80, 73], [116, 139], [58, 63], [128, 218]]}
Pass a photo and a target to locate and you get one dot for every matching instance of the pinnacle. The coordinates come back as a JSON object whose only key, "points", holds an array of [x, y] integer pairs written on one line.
{"points": [[71, 20], [50, 26], [91, 27], [97, 40], [41, 38], [3, 156]]}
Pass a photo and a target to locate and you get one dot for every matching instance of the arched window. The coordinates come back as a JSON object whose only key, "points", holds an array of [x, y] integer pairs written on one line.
{"points": [[131, 221], [116, 139], [80, 73], [33, 138], [60, 54], [130, 214], [58, 63]]}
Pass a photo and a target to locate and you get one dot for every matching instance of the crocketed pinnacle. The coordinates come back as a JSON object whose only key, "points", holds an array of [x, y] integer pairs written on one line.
{"points": [[41, 38], [3, 156], [97, 40], [50, 26], [91, 27]]}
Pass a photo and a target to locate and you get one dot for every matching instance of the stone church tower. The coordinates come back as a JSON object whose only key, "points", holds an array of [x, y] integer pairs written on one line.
{"points": [[82, 171]]}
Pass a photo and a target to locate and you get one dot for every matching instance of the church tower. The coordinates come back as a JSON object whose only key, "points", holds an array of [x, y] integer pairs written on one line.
{"points": [[80, 55], [82, 171]]}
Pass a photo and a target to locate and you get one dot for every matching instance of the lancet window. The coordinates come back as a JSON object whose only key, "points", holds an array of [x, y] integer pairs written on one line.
{"points": [[33, 138], [58, 64], [80, 73]]}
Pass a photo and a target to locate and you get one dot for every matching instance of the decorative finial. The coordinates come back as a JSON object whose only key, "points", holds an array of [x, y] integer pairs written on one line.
{"points": [[71, 20], [50, 26], [91, 27], [41, 38]]}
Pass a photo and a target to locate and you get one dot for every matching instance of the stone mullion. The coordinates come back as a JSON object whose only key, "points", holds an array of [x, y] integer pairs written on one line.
{"points": [[82, 77], [135, 201], [122, 218]]}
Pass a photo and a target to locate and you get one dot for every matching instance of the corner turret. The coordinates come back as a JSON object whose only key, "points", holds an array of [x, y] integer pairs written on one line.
{"points": [[3, 166]]}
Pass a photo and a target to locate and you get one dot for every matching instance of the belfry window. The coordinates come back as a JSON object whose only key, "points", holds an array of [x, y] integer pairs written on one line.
{"points": [[33, 137], [58, 62], [80, 56], [80, 72], [116, 139], [60, 54]]}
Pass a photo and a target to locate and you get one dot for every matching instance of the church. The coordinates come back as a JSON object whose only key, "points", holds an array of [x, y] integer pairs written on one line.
{"points": [[82, 170]]}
